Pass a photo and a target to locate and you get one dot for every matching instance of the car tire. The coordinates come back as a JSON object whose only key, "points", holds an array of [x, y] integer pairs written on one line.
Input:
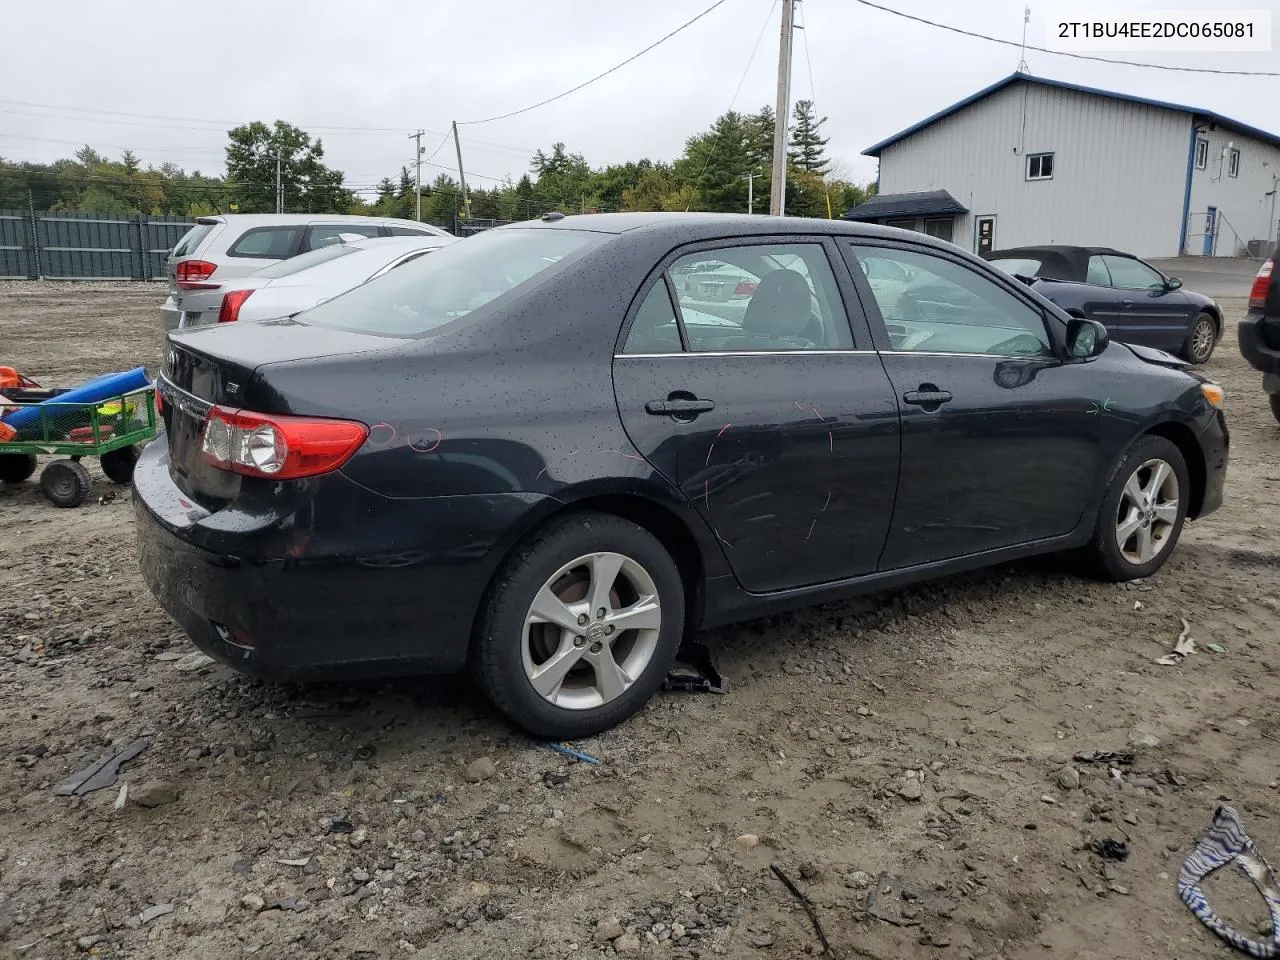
{"points": [[517, 646], [118, 464], [1275, 405], [1199, 345], [16, 467], [66, 483], [1142, 513]]}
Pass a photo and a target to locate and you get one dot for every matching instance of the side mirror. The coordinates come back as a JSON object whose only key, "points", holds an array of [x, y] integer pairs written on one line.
{"points": [[1172, 283], [1086, 338]]}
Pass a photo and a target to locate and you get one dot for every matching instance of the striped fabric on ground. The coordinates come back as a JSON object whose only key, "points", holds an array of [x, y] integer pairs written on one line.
{"points": [[1227, 842]]}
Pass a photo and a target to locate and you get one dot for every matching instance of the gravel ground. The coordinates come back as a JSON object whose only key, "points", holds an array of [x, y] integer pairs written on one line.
{"points": [[905, 758]]}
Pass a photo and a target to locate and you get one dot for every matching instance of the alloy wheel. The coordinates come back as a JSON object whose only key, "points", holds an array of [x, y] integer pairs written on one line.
{"points": [[591, 631], [1148, 512], [1202, 339]]}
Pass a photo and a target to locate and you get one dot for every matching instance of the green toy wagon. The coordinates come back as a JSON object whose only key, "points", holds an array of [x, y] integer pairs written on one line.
{"points": [[110, 429]]}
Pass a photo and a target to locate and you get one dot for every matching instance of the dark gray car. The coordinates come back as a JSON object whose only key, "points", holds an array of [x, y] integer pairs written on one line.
{"points": [[1135, 301]]}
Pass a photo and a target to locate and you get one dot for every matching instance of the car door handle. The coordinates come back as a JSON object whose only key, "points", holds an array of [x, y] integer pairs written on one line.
{"points": [[678, 408], [926, 398], [1127, 303]]}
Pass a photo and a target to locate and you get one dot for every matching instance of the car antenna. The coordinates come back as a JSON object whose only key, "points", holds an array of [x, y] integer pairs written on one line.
{"points": [[552, 217]]}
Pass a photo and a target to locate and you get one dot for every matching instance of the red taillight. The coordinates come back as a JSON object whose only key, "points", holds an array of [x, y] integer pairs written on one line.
{"points": [[278, 447], [193, 273], [745, 289], [229, 312], [159, 399], [1261, 284]]}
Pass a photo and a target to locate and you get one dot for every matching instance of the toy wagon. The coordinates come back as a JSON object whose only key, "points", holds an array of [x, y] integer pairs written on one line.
{"points": [[108, 418]]}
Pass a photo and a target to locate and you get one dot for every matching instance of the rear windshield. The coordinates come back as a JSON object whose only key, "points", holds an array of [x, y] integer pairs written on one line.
{"points": [[192, 239], [454, 282], [304, 260]]}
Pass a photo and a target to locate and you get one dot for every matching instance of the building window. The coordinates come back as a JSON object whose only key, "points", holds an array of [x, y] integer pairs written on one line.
{"points": [[1202, 153], [940, 227], [908, 224], [1233, 163], [1040, 166]]}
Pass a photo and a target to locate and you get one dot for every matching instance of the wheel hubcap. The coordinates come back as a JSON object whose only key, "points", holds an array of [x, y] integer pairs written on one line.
{"points": [[591, 631], [1148, 512], [1202, 340]]}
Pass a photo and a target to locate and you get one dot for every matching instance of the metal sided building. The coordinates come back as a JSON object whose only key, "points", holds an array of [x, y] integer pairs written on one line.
{"points": [[1031, 161]]}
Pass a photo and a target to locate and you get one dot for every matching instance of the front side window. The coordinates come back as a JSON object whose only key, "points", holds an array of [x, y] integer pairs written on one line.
{"points": [[1202, 153], [456, 282], [946, 307], [1233, 163], [1040, 166], [1130, 274], [1098, 273], [272, 243], [766, 297]]}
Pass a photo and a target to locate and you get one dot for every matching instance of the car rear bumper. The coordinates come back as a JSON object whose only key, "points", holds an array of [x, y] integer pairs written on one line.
{"points": [[1260, 342], [170, 315], [334, 581]]}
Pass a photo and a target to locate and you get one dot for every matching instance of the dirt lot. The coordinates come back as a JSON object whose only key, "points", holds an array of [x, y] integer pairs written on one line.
{"points": [[914, 741]]}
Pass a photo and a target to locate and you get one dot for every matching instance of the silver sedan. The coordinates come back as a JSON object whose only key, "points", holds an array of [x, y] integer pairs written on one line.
{"points": [[302, 282]]}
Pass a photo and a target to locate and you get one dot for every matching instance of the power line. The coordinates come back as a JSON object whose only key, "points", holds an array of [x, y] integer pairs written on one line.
{"points": [[1064, 53], [220, 126], [599, 76]]}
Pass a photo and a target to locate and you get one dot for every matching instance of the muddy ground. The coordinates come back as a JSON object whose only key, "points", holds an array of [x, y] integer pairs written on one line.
{"points": [[915, 744]]}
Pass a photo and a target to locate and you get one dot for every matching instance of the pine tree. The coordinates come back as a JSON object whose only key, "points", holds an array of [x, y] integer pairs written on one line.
{"points": [[805, 149]]}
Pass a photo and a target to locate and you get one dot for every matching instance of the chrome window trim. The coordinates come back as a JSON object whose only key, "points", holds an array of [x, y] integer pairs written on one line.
{"points": [[746, 353], [829, 353]]}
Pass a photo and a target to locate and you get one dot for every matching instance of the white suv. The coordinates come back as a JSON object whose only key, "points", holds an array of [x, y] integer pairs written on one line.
{"points": [[237, 244]]}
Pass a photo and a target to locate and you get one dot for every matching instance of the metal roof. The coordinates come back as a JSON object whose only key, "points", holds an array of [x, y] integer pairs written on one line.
{"points": [[924, 204], [1210, 115]]}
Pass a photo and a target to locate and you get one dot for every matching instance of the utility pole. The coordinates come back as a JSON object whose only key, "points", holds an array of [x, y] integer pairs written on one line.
{"points": [[782, 111], [417, 179], [279, 181], [751, 194], [462, 177]]}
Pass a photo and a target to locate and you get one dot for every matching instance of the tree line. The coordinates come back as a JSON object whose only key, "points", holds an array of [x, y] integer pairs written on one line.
{"points": [[723, 169]]}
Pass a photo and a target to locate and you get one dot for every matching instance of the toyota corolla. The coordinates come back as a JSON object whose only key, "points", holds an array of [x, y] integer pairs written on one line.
{"points": [[527, 454]]}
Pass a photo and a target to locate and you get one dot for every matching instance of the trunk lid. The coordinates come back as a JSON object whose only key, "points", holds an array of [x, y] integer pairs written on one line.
{"points": [[223, 365]]}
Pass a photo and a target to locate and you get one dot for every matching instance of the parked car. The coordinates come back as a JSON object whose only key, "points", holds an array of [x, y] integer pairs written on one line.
{"points": [[1135, 301], [293, 285], [233, 245], [1259, 331], [522, 454]]}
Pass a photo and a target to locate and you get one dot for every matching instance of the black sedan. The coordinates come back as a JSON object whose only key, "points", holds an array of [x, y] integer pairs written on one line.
{"points": [[1135, 301], [527, 454]]}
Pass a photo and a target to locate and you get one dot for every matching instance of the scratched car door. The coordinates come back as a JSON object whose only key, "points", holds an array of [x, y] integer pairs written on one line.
{"points": [[779, 427]]}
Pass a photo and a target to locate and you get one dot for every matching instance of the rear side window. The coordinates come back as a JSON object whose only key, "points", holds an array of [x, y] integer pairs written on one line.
{"points": [[285, 267], [324, 234], [192, 239], [409, 232], [457, 281], [654, 329], [272, 243], [1098, 273]]}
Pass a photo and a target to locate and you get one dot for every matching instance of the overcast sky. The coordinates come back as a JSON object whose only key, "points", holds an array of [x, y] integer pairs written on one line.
{"points": [[404, 64]]}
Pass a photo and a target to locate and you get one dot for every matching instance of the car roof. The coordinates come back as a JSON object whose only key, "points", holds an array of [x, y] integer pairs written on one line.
{"points": [[1055, 248], [267, 219], [399, 244], [704, 226]]}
